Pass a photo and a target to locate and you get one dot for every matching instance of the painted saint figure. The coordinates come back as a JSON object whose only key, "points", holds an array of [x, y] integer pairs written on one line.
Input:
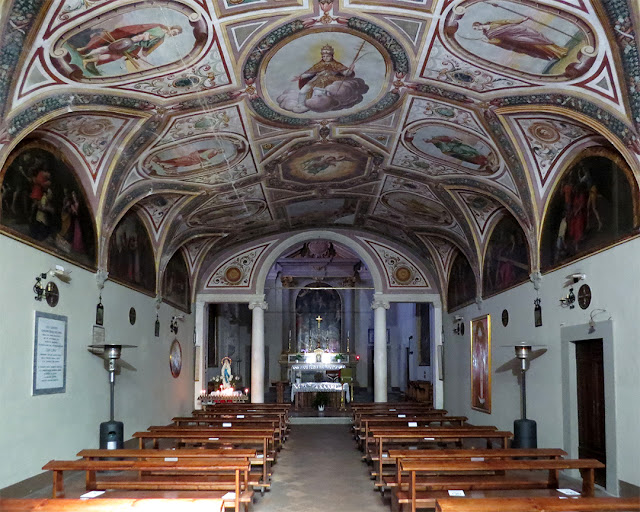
{"points": [[199, 157], [132, 42], [455, 148], [327, 85], [512, 35]]}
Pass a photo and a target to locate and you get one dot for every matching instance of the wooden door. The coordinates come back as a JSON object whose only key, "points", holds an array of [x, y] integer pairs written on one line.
{"points": [[591, 406]]}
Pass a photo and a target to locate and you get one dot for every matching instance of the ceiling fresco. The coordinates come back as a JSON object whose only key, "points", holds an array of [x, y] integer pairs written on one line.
{"points": [[219, 122]]}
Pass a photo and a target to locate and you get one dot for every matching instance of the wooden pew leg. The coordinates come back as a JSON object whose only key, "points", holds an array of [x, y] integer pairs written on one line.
{"points": [[588, 482], [90, 481], [58, 484], [553, 482]]}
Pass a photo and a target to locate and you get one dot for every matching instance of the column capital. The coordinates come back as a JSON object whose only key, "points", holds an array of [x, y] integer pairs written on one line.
{"points": [[379, 303], [258, 304]]}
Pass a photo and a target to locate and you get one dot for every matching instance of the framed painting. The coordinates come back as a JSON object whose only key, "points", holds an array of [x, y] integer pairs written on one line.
{"points": [[462, 283], [481, 364], [43, 204], [131, 260], [175, 283]]}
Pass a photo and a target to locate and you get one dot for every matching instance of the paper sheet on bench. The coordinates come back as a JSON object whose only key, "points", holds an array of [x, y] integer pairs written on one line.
{"points": [[91, 494], [171, 459], [456, 493], [569, 492], [229, 496], [240, 416]]}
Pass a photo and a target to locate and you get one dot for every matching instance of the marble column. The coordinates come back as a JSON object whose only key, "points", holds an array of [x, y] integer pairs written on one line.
{"points": [[201, 348], [257, 350], [379, 307]]}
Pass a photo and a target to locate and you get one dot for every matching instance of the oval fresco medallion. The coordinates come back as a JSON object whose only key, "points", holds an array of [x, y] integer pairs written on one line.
{"points": [[523, 37], [134, 40], [232, 214], [403, 275], [336, 72], [233, 275], [418, 209], [324, 163], [452, 146], [201, 156]]}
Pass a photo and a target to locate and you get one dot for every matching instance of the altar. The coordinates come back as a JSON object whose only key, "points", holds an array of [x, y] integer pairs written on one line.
{"points": [[304, 393]]}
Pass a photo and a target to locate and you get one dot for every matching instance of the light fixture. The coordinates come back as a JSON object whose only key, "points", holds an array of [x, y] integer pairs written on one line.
{"points": [[459, 328], [111, 432], [592, 322], [569, 300], [173, 327], [49, 291]]}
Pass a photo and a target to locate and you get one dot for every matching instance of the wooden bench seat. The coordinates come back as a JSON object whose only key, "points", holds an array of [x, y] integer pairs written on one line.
{"points": [[427, 476], [209, 474], [112, 505], [537, 504], [390, 479]]}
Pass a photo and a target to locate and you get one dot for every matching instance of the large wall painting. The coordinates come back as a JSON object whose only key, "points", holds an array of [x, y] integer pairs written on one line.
{"points": [[594, 205], [523, 37], [175, 283], [452, 146], [337, 71], [43, 204], [461, 289], [506, 258], [131, 258], [130, 41], [318, 319]]}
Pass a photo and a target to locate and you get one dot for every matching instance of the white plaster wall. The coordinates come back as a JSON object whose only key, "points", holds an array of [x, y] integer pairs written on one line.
{"points": [[614, 277], [36, 429]]}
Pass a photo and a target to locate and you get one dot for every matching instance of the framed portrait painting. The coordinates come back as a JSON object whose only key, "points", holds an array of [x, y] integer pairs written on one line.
{"points": [[481, 364]]}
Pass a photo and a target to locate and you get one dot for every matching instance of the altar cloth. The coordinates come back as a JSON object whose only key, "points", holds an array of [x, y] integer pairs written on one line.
{"points": [[310, 387]]}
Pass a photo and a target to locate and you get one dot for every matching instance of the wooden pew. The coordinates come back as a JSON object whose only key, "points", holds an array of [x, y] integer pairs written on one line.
{"points": [[395, 456], [252, 419], [391, 409], [186, 474], [198, 453], [537, 504], [112, 505], [404, 420], [425, 436], [224, 425], [429, 476], [240, 412], [405, 434], [262, 439]]}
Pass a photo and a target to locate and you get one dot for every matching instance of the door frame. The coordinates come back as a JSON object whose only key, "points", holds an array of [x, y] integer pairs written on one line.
{"points": [[569, 336]]}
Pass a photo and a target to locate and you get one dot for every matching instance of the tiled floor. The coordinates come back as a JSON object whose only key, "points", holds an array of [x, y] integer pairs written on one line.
{"points": [[320, 469]]}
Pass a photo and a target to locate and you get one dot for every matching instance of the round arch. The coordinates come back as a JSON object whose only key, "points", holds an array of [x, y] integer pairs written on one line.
{"points": [[305, 236]]}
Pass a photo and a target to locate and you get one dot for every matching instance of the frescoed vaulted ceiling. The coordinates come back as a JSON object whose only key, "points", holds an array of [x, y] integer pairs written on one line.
{"points": [[220, 121]]}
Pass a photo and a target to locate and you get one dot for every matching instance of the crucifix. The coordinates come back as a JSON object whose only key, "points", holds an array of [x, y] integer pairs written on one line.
{"points": [[318, 319]]}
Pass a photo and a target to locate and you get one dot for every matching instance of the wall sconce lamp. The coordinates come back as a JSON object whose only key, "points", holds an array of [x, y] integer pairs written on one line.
{"points": [[569, 300], [49, 291], [459, 328], [173, 327]]}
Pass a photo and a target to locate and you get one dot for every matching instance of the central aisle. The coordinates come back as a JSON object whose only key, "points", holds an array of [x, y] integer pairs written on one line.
{"points": [[319, 469]]}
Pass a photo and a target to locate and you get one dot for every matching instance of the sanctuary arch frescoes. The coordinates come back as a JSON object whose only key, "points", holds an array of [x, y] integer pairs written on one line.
{"points": [[131, 255], [43, 204], [595, 204]]}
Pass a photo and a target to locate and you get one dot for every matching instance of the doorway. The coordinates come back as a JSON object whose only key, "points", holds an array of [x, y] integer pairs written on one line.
{"points": [[591, 404]]}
